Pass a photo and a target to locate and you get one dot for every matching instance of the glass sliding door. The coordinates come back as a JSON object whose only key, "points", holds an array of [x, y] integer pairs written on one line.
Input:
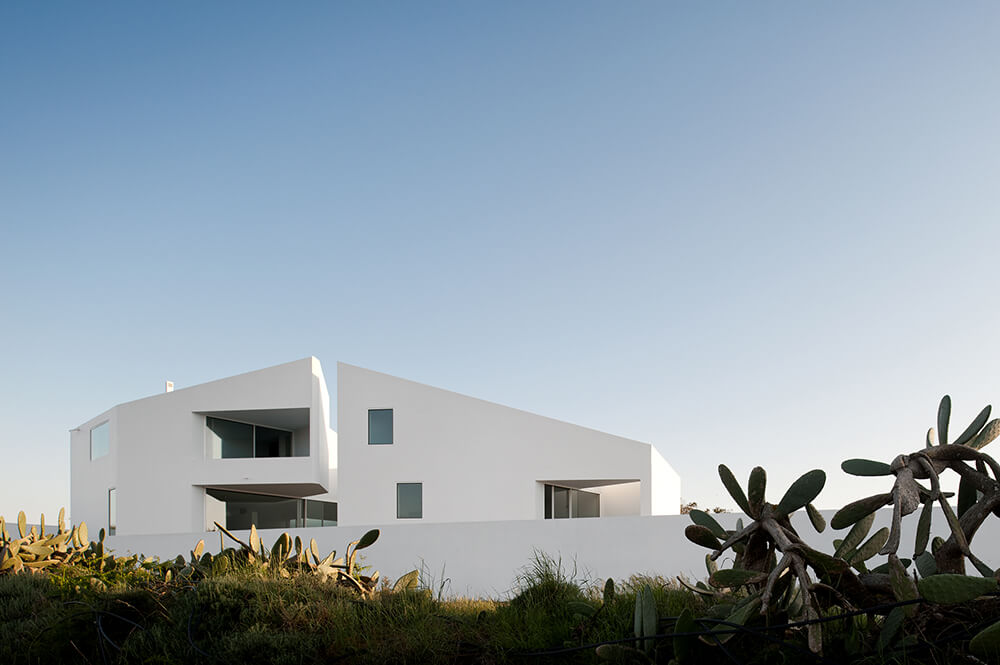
{"points": [[566, 503], [228, 439], [273, 512], [321, 513], [588, 504], [560, 502]]}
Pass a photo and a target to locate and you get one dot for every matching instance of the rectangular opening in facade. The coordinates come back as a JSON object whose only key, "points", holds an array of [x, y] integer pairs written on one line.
{"points": [[264, 511], [567, 503], [112, 511], [379, 427], [228, 439], [409, 500], [100, 440], [321, 513]]}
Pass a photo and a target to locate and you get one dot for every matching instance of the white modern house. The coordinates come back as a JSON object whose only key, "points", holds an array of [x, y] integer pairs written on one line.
{"points": [[259, 448]]}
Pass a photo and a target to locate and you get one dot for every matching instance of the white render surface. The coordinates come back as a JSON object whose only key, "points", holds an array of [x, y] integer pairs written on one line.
{"points": [[483, 559], [476, 461], [160, 459], [479, 461]]}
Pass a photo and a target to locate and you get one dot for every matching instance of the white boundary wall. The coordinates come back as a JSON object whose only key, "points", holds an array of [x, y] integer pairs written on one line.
{"points": [[483, 559]]}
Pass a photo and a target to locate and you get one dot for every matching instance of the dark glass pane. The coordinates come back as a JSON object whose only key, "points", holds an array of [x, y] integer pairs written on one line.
{"points": [[560, 502], [409, 500], [588, 504], [321, 513], [379, 426], [548, 502], [264, 512], [272, 442], [236, 439]]}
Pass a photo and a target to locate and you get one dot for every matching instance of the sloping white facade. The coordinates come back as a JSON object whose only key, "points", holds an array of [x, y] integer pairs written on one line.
{"points": [[159, 460], [479, 461], [259, 446]]}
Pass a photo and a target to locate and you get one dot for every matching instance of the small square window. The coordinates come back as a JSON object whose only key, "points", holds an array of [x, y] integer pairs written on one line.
{"points": [[409, 500], [379, 427]]}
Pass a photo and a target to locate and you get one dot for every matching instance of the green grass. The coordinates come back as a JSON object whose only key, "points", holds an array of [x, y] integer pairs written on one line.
{"points": [[243, 616], [246, 616]]}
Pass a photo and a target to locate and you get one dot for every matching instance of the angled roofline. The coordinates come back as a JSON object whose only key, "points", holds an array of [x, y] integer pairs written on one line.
{"points": [[313, 360], [488, 402]]}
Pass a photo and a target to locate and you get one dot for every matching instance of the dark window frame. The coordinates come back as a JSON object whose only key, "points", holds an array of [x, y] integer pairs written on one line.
{"points": [[420, 516], [392, 429]]}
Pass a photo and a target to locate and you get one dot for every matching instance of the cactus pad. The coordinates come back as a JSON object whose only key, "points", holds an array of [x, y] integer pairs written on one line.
{"points": [[974, 427], [755, 490], [701, 535], [865, 467], [989, 433], [816, 518], [855, 511], [702, 518], [734, 577], [987, 642], [944, 415], [802, 491], [734, 489], [950, 589]]}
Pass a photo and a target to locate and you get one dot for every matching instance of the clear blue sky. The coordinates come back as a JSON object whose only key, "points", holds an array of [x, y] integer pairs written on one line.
{"points": [[750, 233]]}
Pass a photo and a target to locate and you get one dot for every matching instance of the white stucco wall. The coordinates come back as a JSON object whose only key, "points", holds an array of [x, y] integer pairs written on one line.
{"points": [[89, 487], [159, 459], [483, 559], [619, 500], [477, 461], [324, 438], [665, 497]]}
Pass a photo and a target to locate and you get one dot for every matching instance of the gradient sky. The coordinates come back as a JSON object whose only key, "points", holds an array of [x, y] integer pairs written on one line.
{"points": [[748, 233]]}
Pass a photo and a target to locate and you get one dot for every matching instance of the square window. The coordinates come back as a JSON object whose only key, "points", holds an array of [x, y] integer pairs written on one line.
{"points": [[409, 500], [379, 427]]}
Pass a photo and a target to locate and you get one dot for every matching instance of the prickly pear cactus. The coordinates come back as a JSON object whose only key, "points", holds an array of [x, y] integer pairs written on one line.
{"points": [[946, 589], [978, 493], [287, 556], [35, 550], [771, 569], [756, 565]]}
